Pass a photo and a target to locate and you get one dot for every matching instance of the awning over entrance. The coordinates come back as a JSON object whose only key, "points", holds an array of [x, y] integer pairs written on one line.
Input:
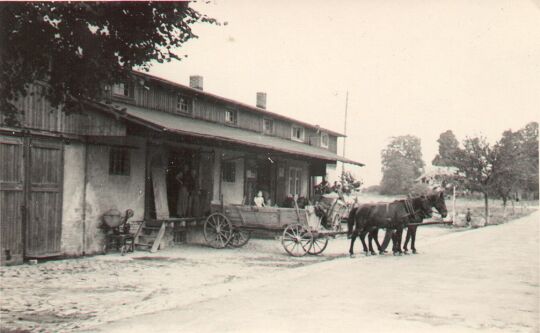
{"points": [[205, 129]]}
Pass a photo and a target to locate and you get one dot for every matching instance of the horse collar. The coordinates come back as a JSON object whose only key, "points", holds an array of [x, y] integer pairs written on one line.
{"points": [[410, 208]]}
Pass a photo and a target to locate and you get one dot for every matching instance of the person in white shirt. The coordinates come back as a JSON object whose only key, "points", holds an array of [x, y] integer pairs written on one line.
{"points": [[259, 199]]}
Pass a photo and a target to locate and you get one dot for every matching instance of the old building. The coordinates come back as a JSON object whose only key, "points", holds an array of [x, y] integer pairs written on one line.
{"points": [[141, 147]]}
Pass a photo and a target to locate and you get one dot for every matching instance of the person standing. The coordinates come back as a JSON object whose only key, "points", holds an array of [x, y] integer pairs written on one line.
{"points": [[194, 199], [183, 195]]}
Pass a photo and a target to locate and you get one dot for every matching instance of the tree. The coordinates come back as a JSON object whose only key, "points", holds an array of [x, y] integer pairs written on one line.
{"points": [[78, 48], [516, 162], [402, 164], [510, 165], [476, 163], [448, 145], [529, 146]]}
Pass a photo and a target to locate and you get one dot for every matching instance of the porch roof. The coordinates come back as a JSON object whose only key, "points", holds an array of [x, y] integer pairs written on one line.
{"points": [[168, 122]]}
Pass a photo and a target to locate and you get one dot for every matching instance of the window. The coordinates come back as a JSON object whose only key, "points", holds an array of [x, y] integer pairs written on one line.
{"points": [[230, 116], [183, 104], [228, 172], [119, 161], [295, 180], [121, 89], [297, 133], [324, 140], [268, 126]]}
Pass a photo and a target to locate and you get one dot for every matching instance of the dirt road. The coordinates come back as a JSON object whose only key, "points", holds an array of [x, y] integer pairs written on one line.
{"points": [[484, 280]]}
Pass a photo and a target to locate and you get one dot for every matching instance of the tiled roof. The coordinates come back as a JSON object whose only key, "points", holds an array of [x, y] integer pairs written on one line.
{"points": [[205, 129]]}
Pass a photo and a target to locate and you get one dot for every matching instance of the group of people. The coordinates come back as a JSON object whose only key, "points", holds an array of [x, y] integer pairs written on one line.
{"points": [[187, 202], [324, 187]]}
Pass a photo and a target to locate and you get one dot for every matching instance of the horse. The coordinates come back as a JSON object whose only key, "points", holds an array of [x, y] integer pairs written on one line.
{"points": [[396, 215], [435, 200]]}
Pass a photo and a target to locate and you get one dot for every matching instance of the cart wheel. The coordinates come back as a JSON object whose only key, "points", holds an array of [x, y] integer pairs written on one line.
{"points": [[217, 230], [297, 240], [239, 238], [318, 245]]}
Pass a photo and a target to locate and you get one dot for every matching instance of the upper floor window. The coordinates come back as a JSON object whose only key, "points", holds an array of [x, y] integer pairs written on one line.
{"points": [[121, 89], [268, 126], [230, 116], [183, 104], [324, 140], [297, 133], [119, 163]]}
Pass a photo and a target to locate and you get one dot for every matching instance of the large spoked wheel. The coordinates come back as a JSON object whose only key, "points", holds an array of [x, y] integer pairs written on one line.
{"points": [[217, 230], [318, 245], [239, 238], [297, 240]]}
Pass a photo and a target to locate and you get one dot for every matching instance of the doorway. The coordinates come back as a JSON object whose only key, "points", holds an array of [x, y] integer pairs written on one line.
{"points": [[31, 186], [183, 179]]}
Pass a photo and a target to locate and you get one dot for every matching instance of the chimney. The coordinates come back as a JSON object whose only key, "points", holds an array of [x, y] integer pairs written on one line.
{"points": [[196, 82], [261, 100]]}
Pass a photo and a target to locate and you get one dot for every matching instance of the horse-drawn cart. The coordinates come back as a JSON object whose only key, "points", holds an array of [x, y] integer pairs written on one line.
{"points": [[302, 230]]}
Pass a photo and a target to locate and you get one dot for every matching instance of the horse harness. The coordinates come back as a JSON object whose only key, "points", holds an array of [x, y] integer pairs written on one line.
{"points": [[408, 208]]}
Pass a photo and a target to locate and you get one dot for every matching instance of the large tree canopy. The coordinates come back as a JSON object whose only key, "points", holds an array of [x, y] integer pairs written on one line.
{"points": [[401, 164], [509, 165], [78, 47], [448, 145]]}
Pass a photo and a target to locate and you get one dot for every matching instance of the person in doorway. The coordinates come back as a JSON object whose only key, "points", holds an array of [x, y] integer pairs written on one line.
{"points": [[189, 182], [194, 191], [183, 195], [259, 199], [468, 217]]}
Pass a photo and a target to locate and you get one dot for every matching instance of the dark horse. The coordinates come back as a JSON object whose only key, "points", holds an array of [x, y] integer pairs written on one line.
{"points": [[435, 200], [395, 215]]}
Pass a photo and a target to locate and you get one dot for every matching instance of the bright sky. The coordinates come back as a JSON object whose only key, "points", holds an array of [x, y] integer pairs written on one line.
{"points": [[415, 67]]}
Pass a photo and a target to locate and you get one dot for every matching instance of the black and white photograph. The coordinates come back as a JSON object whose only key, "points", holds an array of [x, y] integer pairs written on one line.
{"points": [[270, 166]]}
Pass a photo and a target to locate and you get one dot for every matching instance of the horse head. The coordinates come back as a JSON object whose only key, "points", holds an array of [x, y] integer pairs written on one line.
{"points": [[437, 200], [425, 206]]}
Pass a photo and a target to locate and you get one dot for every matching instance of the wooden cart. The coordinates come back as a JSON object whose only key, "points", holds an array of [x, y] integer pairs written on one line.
{"points": [[301, 229]]}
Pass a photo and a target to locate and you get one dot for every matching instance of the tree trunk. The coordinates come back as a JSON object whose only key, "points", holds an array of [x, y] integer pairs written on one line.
{"points": [[513, 208], [486, 207], [505, 201]]}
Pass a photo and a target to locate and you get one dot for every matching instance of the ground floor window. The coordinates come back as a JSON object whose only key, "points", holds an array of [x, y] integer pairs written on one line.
{"points": [[119, 161], [229, 172], [295, 180]]}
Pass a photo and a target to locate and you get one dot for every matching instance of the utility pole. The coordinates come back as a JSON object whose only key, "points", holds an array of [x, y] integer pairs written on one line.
{"points": [[345, 131]]}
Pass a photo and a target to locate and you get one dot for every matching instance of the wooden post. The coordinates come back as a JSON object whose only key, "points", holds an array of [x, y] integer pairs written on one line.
{"points": [[85, 180], [344, 133], [454, 204]]}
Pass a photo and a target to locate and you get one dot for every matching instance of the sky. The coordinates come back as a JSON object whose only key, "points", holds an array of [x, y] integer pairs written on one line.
{"points": [[414, 67]]}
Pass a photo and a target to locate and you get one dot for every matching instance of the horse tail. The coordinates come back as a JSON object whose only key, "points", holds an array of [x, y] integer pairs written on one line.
{"points": [[351, 222]]}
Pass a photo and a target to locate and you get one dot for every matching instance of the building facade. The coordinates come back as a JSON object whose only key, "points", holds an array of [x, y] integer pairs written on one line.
{"points": [[145, 145]]}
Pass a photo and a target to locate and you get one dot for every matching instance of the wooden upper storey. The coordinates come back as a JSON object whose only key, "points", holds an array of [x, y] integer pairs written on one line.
{"points": [[36, 113], [158, 94]]}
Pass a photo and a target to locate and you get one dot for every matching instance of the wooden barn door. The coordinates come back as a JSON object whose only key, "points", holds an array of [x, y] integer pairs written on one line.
{"points": [[44, 199], [11, 199]]}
